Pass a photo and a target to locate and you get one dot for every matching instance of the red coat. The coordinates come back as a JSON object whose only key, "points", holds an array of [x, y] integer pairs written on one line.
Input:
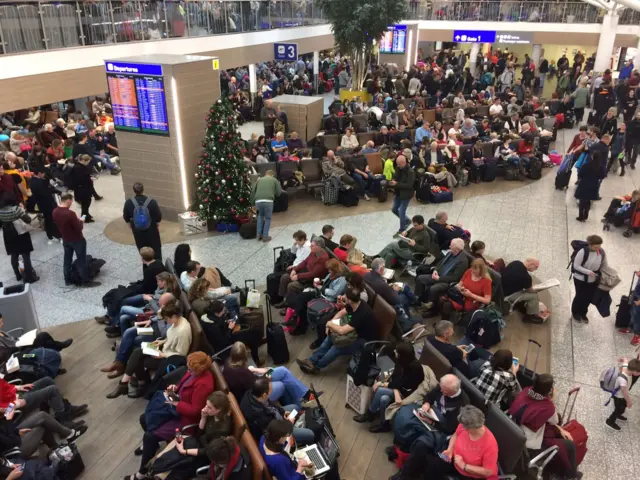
{"points": [[193, 397], [7, 393]]}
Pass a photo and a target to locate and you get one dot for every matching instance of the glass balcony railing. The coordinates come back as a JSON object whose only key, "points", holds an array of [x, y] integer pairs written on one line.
{"points": [[45, 25]]}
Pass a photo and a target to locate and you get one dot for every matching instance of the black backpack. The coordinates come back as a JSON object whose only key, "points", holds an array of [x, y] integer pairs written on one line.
{"points": [[363, 368], [576, 246]]}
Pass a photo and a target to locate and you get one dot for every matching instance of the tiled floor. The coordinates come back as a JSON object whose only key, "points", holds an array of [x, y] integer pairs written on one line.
{"points": [[534, 220]]}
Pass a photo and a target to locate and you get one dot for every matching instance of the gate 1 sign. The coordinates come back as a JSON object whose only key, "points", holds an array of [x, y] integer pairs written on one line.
{"points": [[285, 51], [474, 36]]}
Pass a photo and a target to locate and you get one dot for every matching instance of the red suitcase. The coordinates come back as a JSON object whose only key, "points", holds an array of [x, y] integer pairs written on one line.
{"points": [[575, 428]]}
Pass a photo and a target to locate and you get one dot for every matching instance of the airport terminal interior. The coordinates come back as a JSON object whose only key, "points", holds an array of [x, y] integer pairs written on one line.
{"points": [[511, 123]]}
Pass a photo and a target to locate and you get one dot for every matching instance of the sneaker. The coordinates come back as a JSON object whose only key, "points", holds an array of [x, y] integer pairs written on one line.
{"points": [[622, 417], [366, 197], [624, 330], [306, 366], [103, 320], [613, 425], [98, 198], [635, 340], [259, 238], [71, 412], [585, 319], [266, 239], [76, 433], [50, 242], [365, 417]]}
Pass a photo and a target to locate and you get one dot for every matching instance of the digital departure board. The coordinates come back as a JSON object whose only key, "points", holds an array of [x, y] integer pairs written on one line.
{"points": [[137, 97], [394, 40]]}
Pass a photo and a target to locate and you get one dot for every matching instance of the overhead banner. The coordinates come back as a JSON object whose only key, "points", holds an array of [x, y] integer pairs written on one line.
{"points": [[474, 36], [514, 37]]}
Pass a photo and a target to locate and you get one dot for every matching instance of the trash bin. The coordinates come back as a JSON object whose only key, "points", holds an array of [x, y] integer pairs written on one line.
{"points": [[18, 308]]}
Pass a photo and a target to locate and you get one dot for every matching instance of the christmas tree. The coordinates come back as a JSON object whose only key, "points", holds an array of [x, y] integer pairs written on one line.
{"points": [[223, 189]]}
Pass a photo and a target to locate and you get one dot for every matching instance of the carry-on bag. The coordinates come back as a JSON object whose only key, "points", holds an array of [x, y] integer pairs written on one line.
{"points": [[71, 464], [248, 230], [277, 347], [562, 179], [281, 203], [623, 316], [526, 375], [575, 428]]}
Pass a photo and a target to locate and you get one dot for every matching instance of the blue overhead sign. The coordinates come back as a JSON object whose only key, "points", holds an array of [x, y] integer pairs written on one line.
{"points": [[133, 68], [474, 36], [285, 51]]}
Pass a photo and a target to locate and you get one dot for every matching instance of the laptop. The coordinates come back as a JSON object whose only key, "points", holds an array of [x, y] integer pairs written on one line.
{"points": [[323, 453]]}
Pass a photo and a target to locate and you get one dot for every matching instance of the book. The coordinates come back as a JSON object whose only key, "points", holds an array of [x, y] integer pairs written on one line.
{"points": [[13, 365], [144, 330], [422, 419], [148, 348], [547, 284], [388, 273], [27, 339]]}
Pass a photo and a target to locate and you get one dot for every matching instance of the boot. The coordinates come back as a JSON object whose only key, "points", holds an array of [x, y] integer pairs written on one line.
{"points": [[71, 412], [137, 391], [365, 417], [64, 344], [114, 367], [121, 389], [380, 427]]}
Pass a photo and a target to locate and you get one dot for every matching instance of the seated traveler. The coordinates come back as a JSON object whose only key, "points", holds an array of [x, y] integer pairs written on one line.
{"points": [[132, 339], [327, 235], [229, 459], [198, 296], [406, 377], [389, 292], [301, 275], [346, 243], [278, 145], [193, 390], [180, 258], [301, 247], [274, 446], [138, 304], [444, 403], [471, 452], [437, 280], [517, 283], [151, 268], [185, 457], [220, 327], [455, 354], [285, 387], [475, 286], [259, 411], [534, 410], [444, 231], [333, 167], [219, 285], [176, 343], [356, 325], [497, 376], [42, 340], [414, 240]]}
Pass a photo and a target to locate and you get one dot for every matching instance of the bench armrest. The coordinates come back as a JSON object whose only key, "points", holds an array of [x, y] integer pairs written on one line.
{"points": [[187, 427], [19, 329], [541, 460]]}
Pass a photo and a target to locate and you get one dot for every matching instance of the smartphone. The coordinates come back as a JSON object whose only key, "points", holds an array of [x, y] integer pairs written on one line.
{"points": [[10, 408], [516, 361], [172, 396], [269, 372], [444, 457], [293, 414], [469, 348]]}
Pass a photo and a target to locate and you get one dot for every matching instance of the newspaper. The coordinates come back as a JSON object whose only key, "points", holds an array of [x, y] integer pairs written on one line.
{"points": [[27, 339], [547, 284]]}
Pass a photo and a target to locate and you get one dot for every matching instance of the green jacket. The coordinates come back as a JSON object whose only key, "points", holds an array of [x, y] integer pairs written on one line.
{"points": [[405, 178], [580, 97], [266, 188], [389, 169], [423, 240]]}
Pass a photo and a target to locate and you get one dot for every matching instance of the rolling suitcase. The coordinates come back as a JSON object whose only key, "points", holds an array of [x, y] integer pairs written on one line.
{"points": [[348, 197], [248, 230], [277, 347], [562, 180], [490, 170], [280, 204], [423, 189], [535, 169], [575, 428], [623, 316], [526, 375]]}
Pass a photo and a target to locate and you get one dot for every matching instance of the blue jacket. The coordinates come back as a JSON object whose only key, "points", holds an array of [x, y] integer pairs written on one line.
{"points": [[332, 288]]}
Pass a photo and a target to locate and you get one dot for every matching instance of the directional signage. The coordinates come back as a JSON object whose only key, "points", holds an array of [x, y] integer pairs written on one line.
{"points": [[518, 37], [285, 51], [133, 68], [474, 36]]}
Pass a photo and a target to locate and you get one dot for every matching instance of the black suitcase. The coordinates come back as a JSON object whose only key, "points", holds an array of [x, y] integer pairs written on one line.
{"points": [[423, 189], [277, 347], [525, 375], [273, 286], [348, 197], [535, 169], [544, 144], [71, 464], [562, 180], [490, 171], [281, 203], [623, 316], [248, 230]]}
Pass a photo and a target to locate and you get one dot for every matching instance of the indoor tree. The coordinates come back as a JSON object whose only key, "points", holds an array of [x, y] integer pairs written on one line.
{"points": [[355, 25], [223, 189]]}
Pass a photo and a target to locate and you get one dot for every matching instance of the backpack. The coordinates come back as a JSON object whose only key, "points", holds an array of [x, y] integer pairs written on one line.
{"points": [[608, 380], [141, 215], [578, 245], [38, 363], [363, 368], [485, 327]]}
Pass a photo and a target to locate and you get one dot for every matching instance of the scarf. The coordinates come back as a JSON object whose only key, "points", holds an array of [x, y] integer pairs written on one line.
{"points": [[531, 409]]}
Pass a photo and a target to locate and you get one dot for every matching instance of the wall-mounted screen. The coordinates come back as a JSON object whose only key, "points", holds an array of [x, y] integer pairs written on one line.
{"points": [[394, 40], [138, 98]]}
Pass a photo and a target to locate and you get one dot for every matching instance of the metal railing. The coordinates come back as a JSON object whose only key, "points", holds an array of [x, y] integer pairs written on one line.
{"points": [[45, 25]]}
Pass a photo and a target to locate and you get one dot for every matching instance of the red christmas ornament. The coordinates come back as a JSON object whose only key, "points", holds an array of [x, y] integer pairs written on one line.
{"points": [[211, 110], [206, 200], [206, 172], [229, 155], [228, 177], [219, 172], [205, 154], [217, 198]]}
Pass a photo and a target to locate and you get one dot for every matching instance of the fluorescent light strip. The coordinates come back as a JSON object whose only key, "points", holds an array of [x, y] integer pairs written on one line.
{"points": [[415, 56], [183, 172], [408, 66]]}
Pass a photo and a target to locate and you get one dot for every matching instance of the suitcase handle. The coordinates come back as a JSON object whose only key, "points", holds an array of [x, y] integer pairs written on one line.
{"points": [[246, 283], [267, 303], [526, 356], [275, 249], [572, 393]]}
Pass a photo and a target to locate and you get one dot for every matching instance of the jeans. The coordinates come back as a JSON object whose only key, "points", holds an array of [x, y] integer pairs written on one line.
{"points": [[302, 436], [582, 300], [364, 183], [131, 307], [42, 426], [635, 318], [80, 249], [381, 400], [619, 407], [328, 352], [399, 209], [286, 387], [44, 391], [232, 304], [476, 358], [265, 210], [130, 340], [396, 250], [105, 160]]}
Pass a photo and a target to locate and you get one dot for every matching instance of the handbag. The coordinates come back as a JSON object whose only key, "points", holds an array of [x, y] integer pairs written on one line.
{"points": [[22, 227], [158, 412], [253, 299], [344, 340]]}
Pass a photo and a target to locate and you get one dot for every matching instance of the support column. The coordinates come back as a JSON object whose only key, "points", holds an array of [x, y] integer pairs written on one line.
{"points": [[473, 57], [253, 82], [636, 59], [316, 69], [536, 52], [606, 42]]}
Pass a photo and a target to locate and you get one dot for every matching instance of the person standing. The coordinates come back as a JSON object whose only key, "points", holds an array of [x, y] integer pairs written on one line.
{"points": [[17, 239], [143, 214], [42, 194], [70, 228], [586, 266], [268, 116], [82, 185], [580, 97], [402, 182], [264, 193], [590, 175]]}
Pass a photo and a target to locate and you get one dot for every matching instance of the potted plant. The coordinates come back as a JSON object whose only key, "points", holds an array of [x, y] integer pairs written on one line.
{"points": [[356, 24]]}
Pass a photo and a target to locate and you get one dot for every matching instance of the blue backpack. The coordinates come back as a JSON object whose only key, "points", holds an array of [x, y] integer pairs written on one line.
{"points": [[141, 215]]}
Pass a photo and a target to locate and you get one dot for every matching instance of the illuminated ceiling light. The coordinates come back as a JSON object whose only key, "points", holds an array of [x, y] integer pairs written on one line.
{"points": [[183, 172]]}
